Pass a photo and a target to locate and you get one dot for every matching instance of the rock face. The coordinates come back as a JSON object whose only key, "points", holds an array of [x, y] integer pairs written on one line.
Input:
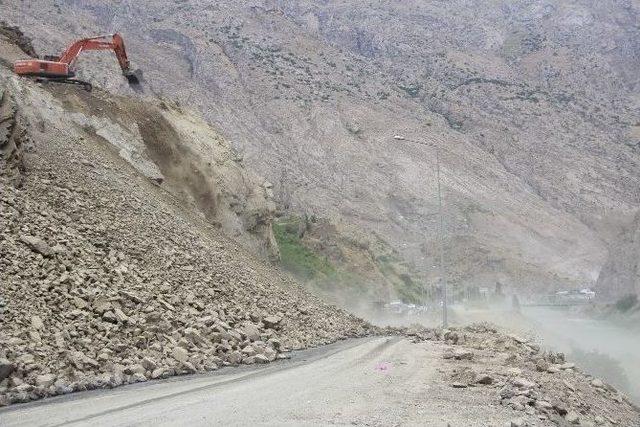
{"points": [[621, 273], [12, 138], [17, 37], [537, 147], [108, 278]]}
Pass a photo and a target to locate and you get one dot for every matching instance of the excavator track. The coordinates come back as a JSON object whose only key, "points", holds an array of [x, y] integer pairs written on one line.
{"points": [[86, 85]]}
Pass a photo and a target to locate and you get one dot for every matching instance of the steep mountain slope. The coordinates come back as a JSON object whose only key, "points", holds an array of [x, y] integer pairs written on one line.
{"points": [[533, 105], [108, 277]]}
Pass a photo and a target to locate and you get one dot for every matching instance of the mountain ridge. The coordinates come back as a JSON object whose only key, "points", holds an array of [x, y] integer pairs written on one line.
{"points": [[538, 148]]}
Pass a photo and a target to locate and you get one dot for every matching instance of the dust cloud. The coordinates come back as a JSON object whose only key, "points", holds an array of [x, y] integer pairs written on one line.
{"points": [[600, 348]]}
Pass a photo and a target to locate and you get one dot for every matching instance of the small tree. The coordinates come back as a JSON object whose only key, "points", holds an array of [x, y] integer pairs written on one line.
{"points": [[627, 302]]}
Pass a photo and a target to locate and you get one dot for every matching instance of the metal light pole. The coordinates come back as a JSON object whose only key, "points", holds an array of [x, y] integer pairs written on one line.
{"points": [[445, 320], [443, 278]]}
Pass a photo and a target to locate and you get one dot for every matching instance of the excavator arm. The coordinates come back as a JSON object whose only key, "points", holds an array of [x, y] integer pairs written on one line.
{"points": [[109, 42]]}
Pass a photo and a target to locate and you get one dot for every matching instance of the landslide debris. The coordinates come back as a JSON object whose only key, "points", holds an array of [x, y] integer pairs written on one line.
{"points": [[107, 277], [541, 387]]}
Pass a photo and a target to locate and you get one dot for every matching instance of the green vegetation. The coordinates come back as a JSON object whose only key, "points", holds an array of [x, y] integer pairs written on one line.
{"points": [[316, 269], [382, 95], [407, 289], [411, 89], [298, 259], [309, 266], [626, 303]]}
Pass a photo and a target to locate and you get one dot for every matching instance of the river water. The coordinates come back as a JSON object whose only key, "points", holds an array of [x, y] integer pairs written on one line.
{"points": [[601, 348]]}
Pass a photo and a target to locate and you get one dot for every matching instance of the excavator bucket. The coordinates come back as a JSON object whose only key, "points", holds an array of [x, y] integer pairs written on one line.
{"points": [[135, 79]]}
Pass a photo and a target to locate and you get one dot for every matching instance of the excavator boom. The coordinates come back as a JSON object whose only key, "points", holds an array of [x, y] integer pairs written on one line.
{"points": [[63, 68]]}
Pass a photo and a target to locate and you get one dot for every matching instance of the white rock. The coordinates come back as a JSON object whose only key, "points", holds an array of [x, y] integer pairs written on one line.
{"points": [[120, 316], [519, 339], [180, 354], [26, 359], [234, 357], [134, 369], [38, 245], [523, 383], [109, 316], [79, 303], [518, 422], [261, 358], [249, 350], [514, 372], [271, 321], [45, 380], [572, 418], [36, 323], [149, 364], [462, 354], [158, 373], [251, 332], [101, 304]]}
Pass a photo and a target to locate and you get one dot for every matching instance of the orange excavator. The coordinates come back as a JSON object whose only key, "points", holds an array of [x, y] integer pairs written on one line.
{"points": [[62, 69]]}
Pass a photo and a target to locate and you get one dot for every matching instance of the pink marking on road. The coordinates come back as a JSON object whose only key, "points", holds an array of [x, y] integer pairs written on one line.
{"points": [[383, 366]]}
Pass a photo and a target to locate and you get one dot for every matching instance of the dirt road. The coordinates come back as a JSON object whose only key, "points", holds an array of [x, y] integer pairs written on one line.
{"points": [[375, 381]]}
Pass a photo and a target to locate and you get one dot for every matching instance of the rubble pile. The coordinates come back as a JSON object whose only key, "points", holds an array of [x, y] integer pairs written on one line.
{"points": [[107, 279], [541, 387]]}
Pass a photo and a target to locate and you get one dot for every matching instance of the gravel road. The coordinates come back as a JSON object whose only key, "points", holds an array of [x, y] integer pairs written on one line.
{"points": [[370, 381]]}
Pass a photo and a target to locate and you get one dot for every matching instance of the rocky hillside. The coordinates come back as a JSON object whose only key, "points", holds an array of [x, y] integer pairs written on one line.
{"points": [[115, 261], [621, 273], [533, 105]]}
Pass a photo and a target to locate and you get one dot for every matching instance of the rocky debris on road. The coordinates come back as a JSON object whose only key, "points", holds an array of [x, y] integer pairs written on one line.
{"points": [[541, 385], [518, 422], [458, 354], [107, 279], [6, 368]]}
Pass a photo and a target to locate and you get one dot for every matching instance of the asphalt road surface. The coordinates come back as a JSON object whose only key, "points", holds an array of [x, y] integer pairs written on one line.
{"points": [[382, 381]]}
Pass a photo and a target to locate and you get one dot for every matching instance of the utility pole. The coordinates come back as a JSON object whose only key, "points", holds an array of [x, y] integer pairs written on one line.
{"points": [[443, 278]]}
